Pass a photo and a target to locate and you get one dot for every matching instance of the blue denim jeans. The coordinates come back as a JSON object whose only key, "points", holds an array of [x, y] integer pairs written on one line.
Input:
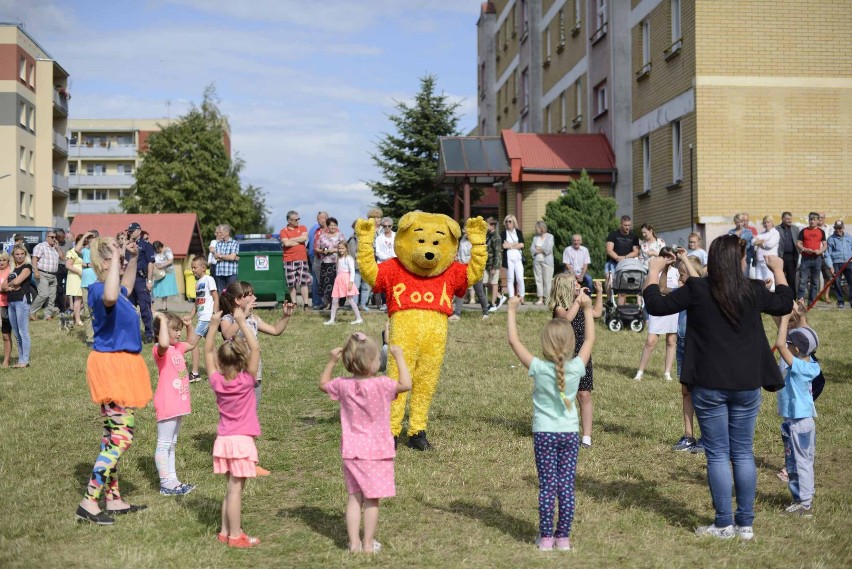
{"points": [[19, 317], [799, 436], [809, 269], [727, 418], [838, 289]]}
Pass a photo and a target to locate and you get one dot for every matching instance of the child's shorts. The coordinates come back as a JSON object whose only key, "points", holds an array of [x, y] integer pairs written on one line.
{"points": [[201, 328], [236, 454], [372, 478]]}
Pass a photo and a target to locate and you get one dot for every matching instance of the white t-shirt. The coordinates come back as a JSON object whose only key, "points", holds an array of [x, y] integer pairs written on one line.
{"points": [[513, 254], [211, 259], [204, 298]]}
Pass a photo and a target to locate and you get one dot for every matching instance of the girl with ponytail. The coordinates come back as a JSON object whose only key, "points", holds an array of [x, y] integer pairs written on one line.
{"points": [[556, 423]]}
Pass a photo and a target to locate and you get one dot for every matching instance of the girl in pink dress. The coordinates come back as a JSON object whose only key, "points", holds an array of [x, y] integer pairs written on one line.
{"points": [[171, 400], [233, 369], [344, 285], [366, 444]]}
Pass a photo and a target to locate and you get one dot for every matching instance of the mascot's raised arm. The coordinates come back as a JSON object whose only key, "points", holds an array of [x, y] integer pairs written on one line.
{"points": [[420, 284]]}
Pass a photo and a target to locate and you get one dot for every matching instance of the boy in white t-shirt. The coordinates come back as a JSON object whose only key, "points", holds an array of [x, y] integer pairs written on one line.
{"points": [[206, 303]]}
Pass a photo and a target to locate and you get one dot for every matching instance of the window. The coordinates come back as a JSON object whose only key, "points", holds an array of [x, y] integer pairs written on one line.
{"points": [[514, 19], [72, 169], [577, 17], [646, 164], [31, 117], [561, 30], [22, 160], [563, 108], [515, 86], [547, 47], [675, 21], [547, 124], [525, 13], [601, 13], [601, 104], [31, 79], [23, 69], [96, 195], [30, 205], [481, 91], [578, 102], [22, 203], [677, 153], [125, 169], [646, 43], [525, 90], [32, 163], [22, 112]]}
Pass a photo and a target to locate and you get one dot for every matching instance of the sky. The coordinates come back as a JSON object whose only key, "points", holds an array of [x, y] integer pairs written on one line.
{"points": [[307, 85]]}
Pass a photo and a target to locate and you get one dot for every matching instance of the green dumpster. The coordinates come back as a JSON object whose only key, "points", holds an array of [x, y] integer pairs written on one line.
{"points": [[261, 265]]}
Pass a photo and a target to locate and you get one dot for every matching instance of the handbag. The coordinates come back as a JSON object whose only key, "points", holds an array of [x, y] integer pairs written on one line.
{"points": [[159, 274]]}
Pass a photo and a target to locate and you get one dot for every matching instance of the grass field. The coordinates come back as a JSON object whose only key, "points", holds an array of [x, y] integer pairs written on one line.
{"points": [[470, 503]]}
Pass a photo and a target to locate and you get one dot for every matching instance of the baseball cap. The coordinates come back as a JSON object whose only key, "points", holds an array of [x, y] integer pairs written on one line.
{"points": [[134, 226], [804, 338]]}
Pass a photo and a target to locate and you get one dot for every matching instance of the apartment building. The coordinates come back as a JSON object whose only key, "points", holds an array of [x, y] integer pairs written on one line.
{"points": [[711, 107], [33, 121]]}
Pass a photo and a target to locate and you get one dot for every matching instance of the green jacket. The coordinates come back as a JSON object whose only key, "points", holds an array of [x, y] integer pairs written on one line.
{"points": [[495, 251]]}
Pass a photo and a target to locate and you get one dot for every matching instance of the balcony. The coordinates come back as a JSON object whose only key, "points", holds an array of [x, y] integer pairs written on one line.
{"points": [[60, 102], [103, 181], [60, 183], [93, 206], [60, 142], [106, 151]]}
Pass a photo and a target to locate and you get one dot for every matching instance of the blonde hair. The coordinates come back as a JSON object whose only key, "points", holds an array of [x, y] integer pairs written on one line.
{"points": [[233, 354], [557, 341], [563, 291], [99, 250], [374, 212], [768, 218], [359, 354], [27, 259], [173, 320], [696, 264], [511, 218], [4, 256], [697, 236]]}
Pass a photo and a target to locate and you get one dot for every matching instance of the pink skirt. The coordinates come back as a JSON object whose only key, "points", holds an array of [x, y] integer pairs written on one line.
{"points": [[372, 478], [343, 286], [236, 454]]}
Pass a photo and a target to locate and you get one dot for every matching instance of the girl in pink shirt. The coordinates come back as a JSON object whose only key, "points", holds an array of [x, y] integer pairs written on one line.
{"points": [[233, 369], [171, 400], [366, 443]]}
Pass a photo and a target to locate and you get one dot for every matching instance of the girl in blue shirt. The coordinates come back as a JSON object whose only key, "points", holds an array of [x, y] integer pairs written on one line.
{"points": [[555, 421]]}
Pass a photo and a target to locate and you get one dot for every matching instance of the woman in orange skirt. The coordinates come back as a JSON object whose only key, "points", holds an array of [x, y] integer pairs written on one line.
{"points": [[117, 375]]}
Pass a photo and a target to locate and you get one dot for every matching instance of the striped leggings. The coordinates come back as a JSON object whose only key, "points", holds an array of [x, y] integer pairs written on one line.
{"points": [[119, 423], [556, 463]]}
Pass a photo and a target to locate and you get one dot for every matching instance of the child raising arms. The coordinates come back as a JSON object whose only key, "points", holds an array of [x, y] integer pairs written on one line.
{"points": [[232, 370], [171, 400], [564, 302], [366, 443], [555, 423]]}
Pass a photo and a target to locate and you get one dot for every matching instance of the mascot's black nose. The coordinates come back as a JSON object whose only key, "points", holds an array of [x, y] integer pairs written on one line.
{"points": [[430, 256]]}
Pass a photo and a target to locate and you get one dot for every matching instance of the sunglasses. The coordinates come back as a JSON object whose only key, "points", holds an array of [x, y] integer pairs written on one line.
{"points": [[387, 226]]}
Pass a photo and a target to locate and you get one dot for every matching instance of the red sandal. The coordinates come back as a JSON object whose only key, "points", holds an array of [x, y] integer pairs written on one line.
{"points": [[221, 538], [243, 541]]}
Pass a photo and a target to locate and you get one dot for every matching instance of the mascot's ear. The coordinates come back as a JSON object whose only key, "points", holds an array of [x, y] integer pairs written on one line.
{"points": [[452, 226], [407, 220]]}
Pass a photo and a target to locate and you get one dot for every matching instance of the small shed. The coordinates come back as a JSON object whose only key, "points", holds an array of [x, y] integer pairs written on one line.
{"points": [[179, 232]]}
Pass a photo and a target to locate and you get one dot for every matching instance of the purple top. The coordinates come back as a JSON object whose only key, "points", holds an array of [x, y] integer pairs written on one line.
{"points": [[364, 416], [237, 405]]}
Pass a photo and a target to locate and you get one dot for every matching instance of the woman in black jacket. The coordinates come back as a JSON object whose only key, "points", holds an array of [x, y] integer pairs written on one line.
{"points": [[726, 362]]}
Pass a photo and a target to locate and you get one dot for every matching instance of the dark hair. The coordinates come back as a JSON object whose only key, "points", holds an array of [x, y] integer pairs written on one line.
{"points": [[786, 213], [625, 218], [728, 285], [233, 292], [331, 220], [157, 245]]}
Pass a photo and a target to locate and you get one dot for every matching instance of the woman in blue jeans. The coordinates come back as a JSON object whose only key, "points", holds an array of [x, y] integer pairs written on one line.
{"points": [[727, 360], [17, 287]]}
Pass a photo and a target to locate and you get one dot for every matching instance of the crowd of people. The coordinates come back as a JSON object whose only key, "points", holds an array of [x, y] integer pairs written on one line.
{"points": [[705, 303]]}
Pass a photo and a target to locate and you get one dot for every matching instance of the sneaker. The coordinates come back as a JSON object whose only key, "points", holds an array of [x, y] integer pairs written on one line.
{"points": [[667, 376], [717, 532], [418, 441], [492, 308], [800, 510], [194, 377], [745, 533], [384, 307], [364, 308], [586, 442], [840, 305], [544, 543], [563, 544], [485, 316], [684, 444], [638, 376], [359, 321], [454, 318], [329, 323], [698, 447], [181, 490], [502, 300]]}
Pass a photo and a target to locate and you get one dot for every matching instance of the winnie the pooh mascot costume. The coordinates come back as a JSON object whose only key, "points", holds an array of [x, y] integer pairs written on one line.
{"points": [[420, 284]]}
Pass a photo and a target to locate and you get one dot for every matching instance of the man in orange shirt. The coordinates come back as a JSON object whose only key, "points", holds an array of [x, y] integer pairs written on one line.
{"points": [[811, 244], [293, 238]]}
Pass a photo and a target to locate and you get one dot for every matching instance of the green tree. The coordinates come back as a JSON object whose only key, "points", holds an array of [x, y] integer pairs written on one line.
{"points": [[186, 168], [582, 210], [408, 159]]}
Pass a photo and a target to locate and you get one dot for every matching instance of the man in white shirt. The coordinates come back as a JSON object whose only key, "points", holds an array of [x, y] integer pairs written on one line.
{"points": [[576, 259], [384, 247]]}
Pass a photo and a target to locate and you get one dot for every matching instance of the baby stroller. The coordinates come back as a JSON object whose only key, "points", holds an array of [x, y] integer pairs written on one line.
{"points": [[628, 278]]}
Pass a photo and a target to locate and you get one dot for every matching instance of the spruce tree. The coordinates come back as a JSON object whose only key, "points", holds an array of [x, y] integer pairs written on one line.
{"points": [[186, 168], [408, 159], [582, 210]]}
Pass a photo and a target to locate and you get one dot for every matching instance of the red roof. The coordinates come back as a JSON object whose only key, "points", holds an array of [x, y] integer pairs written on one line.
{"points": [[178, 231], [552, 153]]}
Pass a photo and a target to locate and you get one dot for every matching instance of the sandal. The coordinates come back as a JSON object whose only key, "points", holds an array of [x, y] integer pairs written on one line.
{"points": [[221, 538], [243, 541]]}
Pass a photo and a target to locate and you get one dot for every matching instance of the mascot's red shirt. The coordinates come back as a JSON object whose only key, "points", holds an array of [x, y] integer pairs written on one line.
{"points": [[405, 290]]}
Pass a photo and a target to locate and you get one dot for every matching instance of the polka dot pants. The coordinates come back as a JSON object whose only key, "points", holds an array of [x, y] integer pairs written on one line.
{"points": [[556, 462]]}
